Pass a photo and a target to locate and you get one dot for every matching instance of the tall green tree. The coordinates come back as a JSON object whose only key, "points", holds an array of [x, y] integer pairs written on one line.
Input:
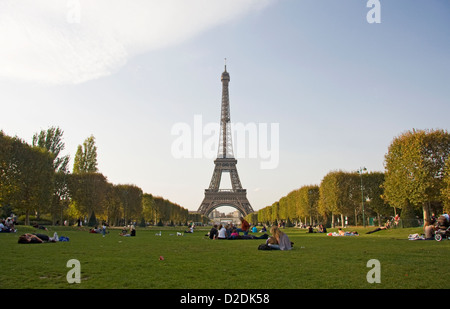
{"points": [[373, 195], [26, 176], [265, 215], [89, 193], [308, 202], [415, 169], [8, 169], [275, 212], [148, 208], [131, 198], [113, 210], [340, 193], [85, 160], [52, 141]]}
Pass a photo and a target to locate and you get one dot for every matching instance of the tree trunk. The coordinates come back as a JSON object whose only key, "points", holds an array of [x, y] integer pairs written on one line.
{"points": [[27, 217]]}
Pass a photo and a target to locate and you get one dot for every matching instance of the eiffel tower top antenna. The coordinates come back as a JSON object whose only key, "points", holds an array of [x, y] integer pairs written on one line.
{"points": [[225, 143]]}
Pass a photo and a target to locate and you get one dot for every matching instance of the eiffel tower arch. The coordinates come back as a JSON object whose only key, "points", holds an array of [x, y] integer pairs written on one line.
{"points": [[236, 196]]}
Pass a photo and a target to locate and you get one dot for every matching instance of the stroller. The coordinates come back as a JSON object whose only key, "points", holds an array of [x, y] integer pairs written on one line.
{"points": [[443, 229]]}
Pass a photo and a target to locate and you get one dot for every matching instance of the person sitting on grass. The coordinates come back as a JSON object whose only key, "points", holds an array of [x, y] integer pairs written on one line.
{"points": [[234, 233], [429, 229], [214, 233], [279, 240], [222, 234], [191, 229]]}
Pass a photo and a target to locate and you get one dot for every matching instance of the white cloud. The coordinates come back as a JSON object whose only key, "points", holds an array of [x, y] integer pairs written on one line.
{"points": [[73, 41]]}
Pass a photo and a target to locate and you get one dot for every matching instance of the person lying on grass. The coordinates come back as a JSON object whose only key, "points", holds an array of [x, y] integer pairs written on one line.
{"points": [[385, 227], [34, 239], [344, 233]]}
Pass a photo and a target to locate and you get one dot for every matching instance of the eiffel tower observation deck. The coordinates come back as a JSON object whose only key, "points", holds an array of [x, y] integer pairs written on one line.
{"points": [[225, 163]]}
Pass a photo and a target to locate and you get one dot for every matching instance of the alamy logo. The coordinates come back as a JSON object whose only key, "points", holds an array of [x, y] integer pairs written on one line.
{"points": [[74, 275], [251, 140], [374, 14], [374, 275]]}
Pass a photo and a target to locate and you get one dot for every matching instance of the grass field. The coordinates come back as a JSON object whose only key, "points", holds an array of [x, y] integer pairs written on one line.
{"points": [[195, 262]]}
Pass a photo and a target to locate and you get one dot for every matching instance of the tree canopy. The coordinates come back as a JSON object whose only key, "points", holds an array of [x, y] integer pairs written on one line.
{"points": [[35, 179], [415, 169]]}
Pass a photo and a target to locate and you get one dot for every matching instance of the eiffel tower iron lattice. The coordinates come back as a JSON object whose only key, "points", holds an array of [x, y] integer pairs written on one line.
{"points": [[236, 196]]}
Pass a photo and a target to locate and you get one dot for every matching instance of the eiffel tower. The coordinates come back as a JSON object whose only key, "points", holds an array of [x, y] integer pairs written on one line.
{"points": [[225, 162]]}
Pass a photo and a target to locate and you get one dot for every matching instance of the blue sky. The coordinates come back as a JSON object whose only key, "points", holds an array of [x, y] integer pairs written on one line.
{"points": [[340, 88]]}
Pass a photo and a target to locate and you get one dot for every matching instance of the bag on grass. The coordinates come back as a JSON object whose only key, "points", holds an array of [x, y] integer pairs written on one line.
{"points": [[264, 247]]}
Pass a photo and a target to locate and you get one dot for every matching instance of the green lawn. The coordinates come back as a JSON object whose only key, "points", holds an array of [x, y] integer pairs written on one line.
{"points": [[195, 262]]}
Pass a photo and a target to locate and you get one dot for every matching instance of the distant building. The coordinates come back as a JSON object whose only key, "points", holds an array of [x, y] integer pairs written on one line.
{"points": [[222, 218]]}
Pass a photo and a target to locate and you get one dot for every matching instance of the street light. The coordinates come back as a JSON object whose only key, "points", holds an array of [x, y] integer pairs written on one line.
{"points": [[360, 172]]}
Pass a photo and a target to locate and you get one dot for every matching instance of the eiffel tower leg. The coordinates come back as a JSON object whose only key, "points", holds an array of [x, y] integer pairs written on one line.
{"points": [[215, 180], [235, 182]]}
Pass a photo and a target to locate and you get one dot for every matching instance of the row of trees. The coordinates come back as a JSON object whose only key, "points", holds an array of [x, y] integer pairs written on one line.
{"points": [[416, 180], [354, 195], [35, 180]]}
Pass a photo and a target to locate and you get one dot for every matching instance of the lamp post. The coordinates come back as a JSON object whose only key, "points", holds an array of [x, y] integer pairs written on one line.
{"points": [[361, 170]]}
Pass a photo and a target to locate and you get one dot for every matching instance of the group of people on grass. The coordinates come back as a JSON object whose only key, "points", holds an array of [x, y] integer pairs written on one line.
{"points": [[230, 231], [7, 225], [278, 241], [99, 230], [319, 229], [129, 231]]}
